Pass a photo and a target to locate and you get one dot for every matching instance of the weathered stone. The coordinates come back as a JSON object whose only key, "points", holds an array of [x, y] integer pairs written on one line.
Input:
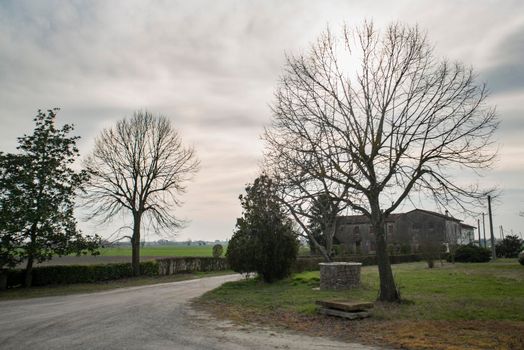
{"points": [[173, 265], [345, 305], [344, 314], [339, 275]]}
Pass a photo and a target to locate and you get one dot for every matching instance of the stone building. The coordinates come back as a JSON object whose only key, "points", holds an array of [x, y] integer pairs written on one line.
{"points": [[467, 233], [405, 232]]}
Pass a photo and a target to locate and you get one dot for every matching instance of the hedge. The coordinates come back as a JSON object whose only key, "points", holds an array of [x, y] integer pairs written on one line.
{"points": [[311, 263], [472, 253], [68, 274]]}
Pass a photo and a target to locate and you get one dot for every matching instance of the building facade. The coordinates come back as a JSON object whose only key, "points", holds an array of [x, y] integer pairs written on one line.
{"points": [[405, 233]]}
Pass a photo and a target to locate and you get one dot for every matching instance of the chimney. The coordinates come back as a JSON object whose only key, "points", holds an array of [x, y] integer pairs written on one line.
{"points": [[447, 213]]}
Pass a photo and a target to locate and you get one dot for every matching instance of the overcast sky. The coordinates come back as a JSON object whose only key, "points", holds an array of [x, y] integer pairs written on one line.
{"points": [[212, 66]]}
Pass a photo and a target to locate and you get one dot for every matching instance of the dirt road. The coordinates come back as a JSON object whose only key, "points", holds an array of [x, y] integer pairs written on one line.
{"points": [[147, 317]]}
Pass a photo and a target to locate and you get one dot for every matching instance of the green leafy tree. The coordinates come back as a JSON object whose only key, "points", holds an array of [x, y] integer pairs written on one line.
{"points": [[40, 199], [11, 207], [263, 241], [509, 247]]}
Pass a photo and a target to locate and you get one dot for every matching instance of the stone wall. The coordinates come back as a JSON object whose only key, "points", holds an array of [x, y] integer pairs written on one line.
{"points": [[170, 266], [339, 275]]}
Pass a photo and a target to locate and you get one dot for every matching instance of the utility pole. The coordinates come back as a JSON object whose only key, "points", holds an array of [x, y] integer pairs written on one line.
{"points": [[484, 230], [493, 252], [478, 228]]}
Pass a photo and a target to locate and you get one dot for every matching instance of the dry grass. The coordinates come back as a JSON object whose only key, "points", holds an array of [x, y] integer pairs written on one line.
{"points": [[403, 334], [462, 306]]}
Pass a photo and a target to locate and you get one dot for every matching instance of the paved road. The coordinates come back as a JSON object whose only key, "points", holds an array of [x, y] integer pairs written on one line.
{"points": [[148, 317]]}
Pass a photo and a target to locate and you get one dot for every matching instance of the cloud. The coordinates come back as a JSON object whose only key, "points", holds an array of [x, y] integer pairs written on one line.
{"points": [[211, 67], [506, 74]]}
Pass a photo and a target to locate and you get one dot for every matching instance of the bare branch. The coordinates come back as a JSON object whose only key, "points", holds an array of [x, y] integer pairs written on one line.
{"points": [[373, 117], [140, 166]]}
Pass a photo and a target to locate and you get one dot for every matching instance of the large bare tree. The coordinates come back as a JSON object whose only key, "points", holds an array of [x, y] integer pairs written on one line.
{"points": [[377, 113], [140, 167]]}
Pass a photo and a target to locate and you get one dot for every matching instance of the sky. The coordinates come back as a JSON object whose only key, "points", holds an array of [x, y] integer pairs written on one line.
{"points": [[212, 67]]}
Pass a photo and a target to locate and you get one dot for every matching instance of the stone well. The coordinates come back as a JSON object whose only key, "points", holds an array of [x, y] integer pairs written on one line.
{"points": [[339, 275]]}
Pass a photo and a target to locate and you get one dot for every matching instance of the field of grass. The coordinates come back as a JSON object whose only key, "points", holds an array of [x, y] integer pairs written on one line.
{"points": [[477, 304], [167, 250], [172, 250]]}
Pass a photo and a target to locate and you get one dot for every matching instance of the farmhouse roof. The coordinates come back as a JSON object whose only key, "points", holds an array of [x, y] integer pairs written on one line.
{"points": [[447, 217], [463, 225], [362, 219]]}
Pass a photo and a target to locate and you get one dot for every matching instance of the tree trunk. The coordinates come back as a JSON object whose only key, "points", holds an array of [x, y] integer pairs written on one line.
{"points": [[431, 262], [331, 229], [323, 251], [28, 277], [3, 279], [329, 246], [319, 248], [388, 289], [135, 244]]}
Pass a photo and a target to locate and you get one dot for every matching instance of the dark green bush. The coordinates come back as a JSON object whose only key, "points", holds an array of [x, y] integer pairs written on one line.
{"points": [[240, 252], [339, 249], [69, 274], [217, 250], [263, 241], [521, 257], [405, 249], [472, 253], [509, 247]]}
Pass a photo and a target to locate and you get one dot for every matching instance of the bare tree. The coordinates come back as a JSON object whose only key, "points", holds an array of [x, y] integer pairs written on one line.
{"points": [[308, 200], [139, 167], [378, 113]]}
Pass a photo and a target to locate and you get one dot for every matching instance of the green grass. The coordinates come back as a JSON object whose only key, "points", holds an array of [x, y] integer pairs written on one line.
{"points": [[168, 250], [489, 291], [54, 290]]}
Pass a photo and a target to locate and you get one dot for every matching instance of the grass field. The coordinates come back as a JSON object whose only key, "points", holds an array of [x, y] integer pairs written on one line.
{"points": [[167, 250], [449, 307], [172, 250]]}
